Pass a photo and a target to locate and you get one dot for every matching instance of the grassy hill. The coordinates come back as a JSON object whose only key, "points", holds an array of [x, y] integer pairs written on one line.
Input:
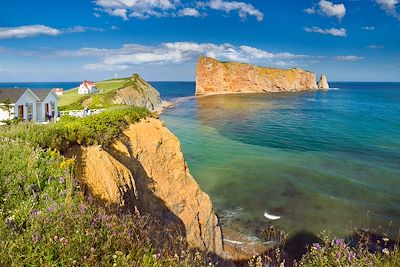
{"points": [[71, 99]]}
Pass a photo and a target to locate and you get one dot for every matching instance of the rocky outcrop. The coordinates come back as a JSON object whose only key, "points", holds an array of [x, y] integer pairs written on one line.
{"points": [[323, 83], [144, 171], [137, 92], [215, 77]]}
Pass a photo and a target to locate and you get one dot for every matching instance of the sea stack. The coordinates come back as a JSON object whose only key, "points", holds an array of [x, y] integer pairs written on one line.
{"points": [[215, 77], [323, 83]]}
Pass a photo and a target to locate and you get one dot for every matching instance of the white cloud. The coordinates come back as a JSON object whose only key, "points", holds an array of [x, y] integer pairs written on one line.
{"points": [[390, 6], [333, 31], [349, 58], [83, 29], [375, 46], [136, 8], [328, 8], [27, 31], [368, 28], [242, 8], [144, 9], [189, 12], [174, 52]]}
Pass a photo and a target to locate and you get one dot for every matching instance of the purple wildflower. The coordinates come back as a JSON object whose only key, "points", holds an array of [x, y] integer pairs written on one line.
{"points": [[349, 257], [34, 212], [338, 255], [50, 209], [317, 246], [82, 207], [61, 180]]}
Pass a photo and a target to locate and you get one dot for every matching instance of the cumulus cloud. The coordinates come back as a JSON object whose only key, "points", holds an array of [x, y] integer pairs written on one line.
{"points": [[173, 52], [27, 31], [328, 8], [189, 12], [244, 9], [390, 6], [84, 29], [332, 31], [349, 58], [144, 9]]}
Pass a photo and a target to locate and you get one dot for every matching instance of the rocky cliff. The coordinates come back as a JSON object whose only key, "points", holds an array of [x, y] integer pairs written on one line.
{"points": [[215, 77], [144, 171], [137, 92], [323, 83]]}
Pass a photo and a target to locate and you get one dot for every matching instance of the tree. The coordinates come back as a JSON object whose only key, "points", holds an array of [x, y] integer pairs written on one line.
{"points": [[7, 106]]}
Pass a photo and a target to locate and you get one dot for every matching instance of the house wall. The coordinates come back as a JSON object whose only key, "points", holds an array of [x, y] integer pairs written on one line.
{"points": [[82, 90], [41, 115], [26, 98]]}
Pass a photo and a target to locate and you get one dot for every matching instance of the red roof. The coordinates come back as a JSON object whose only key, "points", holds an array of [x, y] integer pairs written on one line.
{"points": [[88, 85]]}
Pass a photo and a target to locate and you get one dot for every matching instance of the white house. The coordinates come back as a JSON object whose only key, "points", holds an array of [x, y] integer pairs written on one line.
{"points": [[87, 88], [58, 91], [38, 105]]}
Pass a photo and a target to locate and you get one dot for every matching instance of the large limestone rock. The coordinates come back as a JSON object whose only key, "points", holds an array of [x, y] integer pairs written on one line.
{"points": [[215, 77], [137, 92], [145, 171], [323, 83]]}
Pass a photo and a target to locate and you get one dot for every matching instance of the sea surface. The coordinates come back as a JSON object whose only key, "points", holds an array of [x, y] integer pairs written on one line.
{"points": [[320, 160]]}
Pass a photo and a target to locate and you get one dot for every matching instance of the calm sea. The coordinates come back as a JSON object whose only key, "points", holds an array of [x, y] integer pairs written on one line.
{"points": [[320, 160]]}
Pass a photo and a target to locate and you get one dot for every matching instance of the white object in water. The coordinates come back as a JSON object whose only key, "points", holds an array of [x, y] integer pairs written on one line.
{"points": [[271, 217]]}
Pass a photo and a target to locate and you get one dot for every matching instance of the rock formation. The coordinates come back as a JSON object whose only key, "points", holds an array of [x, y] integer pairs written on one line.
{"points": [[137, 92], [215, 77], [323, 83], [144, 170]]}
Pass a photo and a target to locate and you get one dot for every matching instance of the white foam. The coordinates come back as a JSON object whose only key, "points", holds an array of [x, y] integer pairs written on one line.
{"points": [[270, 216]]}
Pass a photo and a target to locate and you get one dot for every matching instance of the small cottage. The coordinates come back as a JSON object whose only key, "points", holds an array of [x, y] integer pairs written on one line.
{"points": [[26, 104], [87, 88]]}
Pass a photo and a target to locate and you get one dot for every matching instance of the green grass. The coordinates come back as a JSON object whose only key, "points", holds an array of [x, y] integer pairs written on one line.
{"points": [[72, 100]]}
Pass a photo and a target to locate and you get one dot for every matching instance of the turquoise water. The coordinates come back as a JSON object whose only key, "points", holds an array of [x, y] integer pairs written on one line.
{"points": [[320, 160]]}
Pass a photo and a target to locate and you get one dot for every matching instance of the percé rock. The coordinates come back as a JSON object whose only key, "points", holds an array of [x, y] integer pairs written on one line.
{"points": [[323, 83], [137, 92], [215, 77], [144, 171]]}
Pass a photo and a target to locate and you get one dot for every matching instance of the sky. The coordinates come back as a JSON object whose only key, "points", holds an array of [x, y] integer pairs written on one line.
{"points": [[64, 40]]}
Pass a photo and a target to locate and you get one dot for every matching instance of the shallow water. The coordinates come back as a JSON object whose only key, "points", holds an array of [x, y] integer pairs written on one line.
{"points": [[320, 160]]}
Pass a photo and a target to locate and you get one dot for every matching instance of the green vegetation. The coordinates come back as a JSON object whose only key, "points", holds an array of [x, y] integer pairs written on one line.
{"points": [[71, 100], [99, 129]]}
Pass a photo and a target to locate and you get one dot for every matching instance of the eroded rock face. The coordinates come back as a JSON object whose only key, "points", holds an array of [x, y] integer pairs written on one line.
{"points": [[137, 92], [215, 77], [144, 170], [323, 83]]}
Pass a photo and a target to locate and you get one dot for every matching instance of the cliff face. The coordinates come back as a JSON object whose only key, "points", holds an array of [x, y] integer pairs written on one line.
{"points": [[144, 171], [215, 77], [137, 92], [323, 83]]}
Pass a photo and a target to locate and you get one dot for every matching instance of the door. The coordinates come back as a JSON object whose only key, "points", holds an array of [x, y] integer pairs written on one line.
{"points": [[47, 111], [21, 112]]}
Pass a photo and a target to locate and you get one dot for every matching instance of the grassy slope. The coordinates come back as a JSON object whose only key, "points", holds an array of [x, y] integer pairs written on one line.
{"points": [[72, 99]]}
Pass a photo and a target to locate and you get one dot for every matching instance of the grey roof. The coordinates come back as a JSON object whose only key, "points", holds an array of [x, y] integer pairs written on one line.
{"points": [[15, 93], [12, 93], [42, 93]]}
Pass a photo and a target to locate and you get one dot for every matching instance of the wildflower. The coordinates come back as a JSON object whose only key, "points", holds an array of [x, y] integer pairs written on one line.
{"points": [[50, 209], [317, 246], [82, 207], [55, 238], [61, 180], [92, 249], [34, 212], [349, 257], [385, 239], [338, 255], [386, 251]]}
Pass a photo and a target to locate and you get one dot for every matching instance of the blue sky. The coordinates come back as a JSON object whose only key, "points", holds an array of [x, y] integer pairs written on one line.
{"points": [[47, 40]]}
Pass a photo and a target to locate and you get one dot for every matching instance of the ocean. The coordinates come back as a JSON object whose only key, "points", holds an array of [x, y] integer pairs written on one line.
{"points": [[320, 160]]}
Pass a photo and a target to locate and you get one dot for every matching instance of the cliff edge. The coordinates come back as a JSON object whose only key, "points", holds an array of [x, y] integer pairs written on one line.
{"points": [[144, 171], [215, 77]]}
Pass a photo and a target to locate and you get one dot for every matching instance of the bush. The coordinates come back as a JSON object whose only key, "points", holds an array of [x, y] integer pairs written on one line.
{"points": [[98, 129]]}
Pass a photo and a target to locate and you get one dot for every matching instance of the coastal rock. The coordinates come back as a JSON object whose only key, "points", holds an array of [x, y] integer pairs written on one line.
{"points": [[215, 77], [323, 83], [137, 92], [144, 171]]}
